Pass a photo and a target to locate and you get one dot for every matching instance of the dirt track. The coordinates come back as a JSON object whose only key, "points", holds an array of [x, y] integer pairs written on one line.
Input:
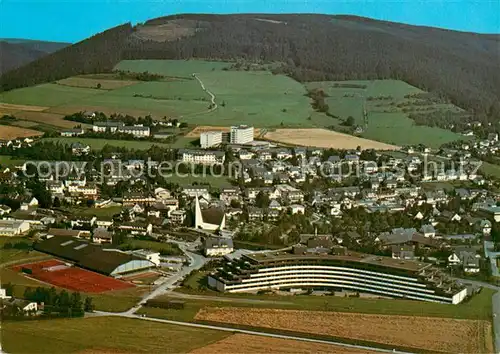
{"points": [[428, 333], [244, 343], [323, 138]]}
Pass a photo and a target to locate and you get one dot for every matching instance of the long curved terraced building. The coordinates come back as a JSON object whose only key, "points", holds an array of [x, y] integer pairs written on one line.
{"points": [[345, 270]]}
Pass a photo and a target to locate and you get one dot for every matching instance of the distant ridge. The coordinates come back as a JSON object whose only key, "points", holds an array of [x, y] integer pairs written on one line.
{"points": [[462, 67], [16, 52]]}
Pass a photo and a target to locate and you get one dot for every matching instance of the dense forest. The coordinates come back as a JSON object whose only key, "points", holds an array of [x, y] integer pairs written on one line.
{"points": [[96, 54], [461, 67]]}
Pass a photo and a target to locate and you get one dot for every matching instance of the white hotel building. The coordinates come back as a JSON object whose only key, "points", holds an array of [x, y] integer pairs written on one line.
{"points": [[202, 157], [210, 139], [347, 271], [241, 134]]}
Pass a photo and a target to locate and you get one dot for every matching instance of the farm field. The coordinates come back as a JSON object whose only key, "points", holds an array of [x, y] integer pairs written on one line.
{"points": [[47, 95], [6, 161], [244, 343], [98, 144], [421, 333], [324, 138], [477, 308], [46, 118], [8, 132], [85, 82], [174, 68], [386, 118], [255, 98], [103, 335]]}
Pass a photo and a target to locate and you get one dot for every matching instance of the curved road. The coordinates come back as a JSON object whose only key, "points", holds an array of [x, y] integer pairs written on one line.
{"points": [[212, 96]]}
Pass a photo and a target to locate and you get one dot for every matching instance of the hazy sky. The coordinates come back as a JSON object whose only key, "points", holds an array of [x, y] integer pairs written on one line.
{"points": [[74, 20]]}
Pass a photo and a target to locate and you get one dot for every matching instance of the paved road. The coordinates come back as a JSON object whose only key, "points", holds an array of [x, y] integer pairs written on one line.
{"points": [[226, 299], [255, 333], [196, 262]]}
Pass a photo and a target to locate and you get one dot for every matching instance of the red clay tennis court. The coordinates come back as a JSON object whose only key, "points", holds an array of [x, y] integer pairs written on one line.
{"points": [[59, 274]]}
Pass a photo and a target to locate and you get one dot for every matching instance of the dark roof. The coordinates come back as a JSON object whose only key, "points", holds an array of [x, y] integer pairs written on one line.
{"points": [[212, 216], [218, 242], [84, 254]]}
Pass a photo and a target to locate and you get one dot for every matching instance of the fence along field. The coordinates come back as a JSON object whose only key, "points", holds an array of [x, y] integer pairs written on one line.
{"points": [[421, 333]]}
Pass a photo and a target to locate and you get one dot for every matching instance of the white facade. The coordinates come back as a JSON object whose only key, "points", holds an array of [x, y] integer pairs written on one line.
{"points": [[137, 131], [349, 278], [210, 139], [242, 134], [13, 227], [153, 257], [203, 157]]}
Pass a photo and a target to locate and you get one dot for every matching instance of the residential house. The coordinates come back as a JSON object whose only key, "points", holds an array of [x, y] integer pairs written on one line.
{"points": [[297, 209], [102, 235], [4, 209], [428, 230], [217, 247]]}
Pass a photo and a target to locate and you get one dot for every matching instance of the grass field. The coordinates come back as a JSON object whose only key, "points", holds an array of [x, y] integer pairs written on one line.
{"points": [[174, 68], [385, 120], [47, 95], [154, 246], [255, 98], [7, 161], [93, 83], [98, 144], [103, 335], [477, 308], [490, 169]]}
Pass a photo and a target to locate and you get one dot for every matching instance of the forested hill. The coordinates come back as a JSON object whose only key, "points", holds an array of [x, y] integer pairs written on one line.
{"points": [[98, 53], [17, 52], [463, 67]]}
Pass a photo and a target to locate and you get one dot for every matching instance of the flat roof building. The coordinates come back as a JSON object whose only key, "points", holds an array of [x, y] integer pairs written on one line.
{"points": [[92, 257], [210, 139], [337, 268], [242, 134]]}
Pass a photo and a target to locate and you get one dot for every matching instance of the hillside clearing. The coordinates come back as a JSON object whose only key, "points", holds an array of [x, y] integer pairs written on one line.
{"points": [[382, 108], [105, 84], [423, 333], [175, 68], [323, 138]]}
